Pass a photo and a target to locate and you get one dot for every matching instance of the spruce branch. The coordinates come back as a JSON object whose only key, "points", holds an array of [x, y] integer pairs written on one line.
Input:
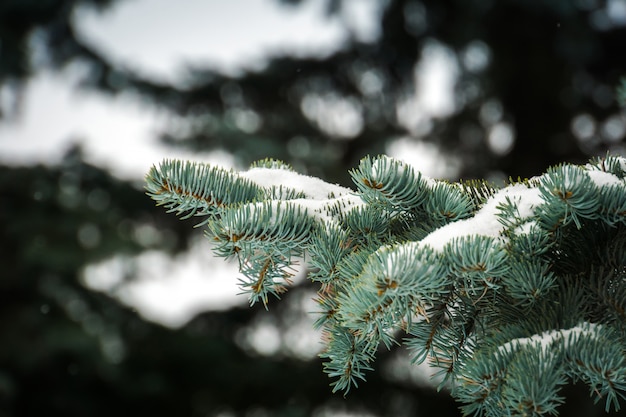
{"points": [[198, 189], [509, 294]]}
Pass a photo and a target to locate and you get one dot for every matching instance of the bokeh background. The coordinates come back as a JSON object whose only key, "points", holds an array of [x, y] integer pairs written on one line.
{"points": [[109, 306]]}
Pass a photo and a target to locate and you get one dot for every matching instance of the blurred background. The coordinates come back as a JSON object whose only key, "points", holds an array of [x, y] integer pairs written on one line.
{"points": [[110, 306]]}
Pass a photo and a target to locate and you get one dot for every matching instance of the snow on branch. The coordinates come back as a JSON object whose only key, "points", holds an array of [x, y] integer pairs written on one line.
{"points": [[508, 293]]}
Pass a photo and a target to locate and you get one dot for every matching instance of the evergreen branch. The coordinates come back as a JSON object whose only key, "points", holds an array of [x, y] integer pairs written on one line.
{"points": [[509, 293], [610, 164], [570, 194], [529, 281], [597, 357], [613, 203], [281, 225], [479, 260], [389, 182], [367, 225], [329, 245], [446, 203], [348, 359], [197, 188], [479, 191]]}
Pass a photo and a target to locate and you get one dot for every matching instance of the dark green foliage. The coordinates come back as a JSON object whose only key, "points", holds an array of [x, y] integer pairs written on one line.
{"points": [[621, 92], [70, 351]]}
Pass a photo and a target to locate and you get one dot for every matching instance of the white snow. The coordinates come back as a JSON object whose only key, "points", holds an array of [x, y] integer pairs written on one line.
{"points": [[485, 221], [546, 339], [317, 209], [313, 188], [320, 209], [526, 228], [526, 200], [321, 197], [601, 178]]}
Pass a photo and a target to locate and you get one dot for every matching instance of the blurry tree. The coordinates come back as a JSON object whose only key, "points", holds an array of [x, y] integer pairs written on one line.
{"points": [[69, 351], [533, 86]]}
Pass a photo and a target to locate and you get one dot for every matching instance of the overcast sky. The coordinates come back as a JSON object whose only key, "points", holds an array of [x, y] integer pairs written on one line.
{"points": [[213, 32]]}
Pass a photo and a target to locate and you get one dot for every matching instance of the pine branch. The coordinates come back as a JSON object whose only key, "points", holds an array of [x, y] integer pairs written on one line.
{"points": [[509, 293]]}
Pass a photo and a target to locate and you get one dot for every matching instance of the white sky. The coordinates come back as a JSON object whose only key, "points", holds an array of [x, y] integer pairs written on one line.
{"points": [[212, 32], [119, 133], [169, 290], [54, 114]]}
